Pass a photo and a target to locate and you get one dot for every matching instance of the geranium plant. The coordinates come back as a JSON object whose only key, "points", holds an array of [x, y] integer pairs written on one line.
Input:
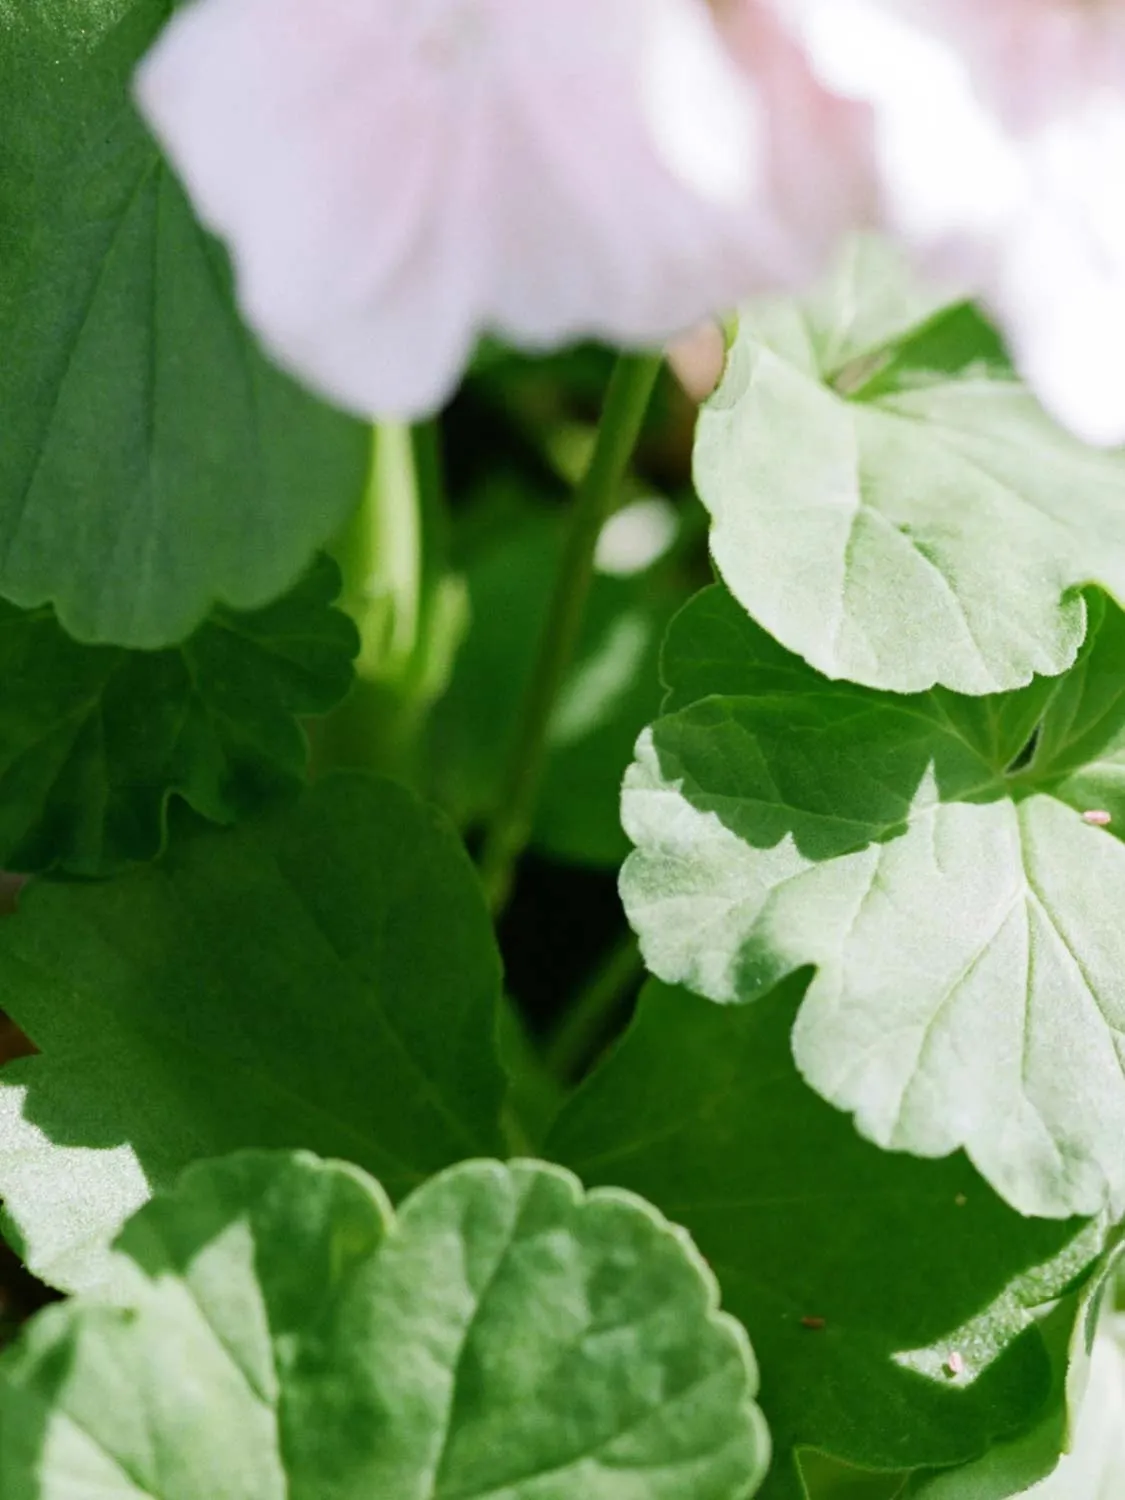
{"points": [[562, 749]]}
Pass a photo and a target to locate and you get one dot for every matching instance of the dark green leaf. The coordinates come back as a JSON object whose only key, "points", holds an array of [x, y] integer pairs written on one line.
{"points": [[327, 979], [153, 462], [1094, 1468], [1074, 1453], [94, 740], [857, 1272]]}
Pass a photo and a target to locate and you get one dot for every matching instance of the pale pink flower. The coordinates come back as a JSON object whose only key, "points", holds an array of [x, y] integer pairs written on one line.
{"points": [[1001, 144], [394, 177], [820, 162]]}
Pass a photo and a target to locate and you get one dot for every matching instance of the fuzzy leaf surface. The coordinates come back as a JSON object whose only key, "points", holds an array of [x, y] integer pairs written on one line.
{"points": [[153, 463], [857, 1272], [1074, 1331], [326, 978], [95, 740], [961, 914], [287, 1334], [891, 503], [1092, 1466]]}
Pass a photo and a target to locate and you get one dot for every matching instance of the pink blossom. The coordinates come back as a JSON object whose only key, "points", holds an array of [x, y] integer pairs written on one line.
{"points": [[1001, 143], [394, 177], [820, 159]]}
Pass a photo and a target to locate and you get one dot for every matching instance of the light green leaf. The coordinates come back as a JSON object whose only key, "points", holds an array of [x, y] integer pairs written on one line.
{"points": [[962, 916], [1016, 1466], [902, 514], [94, 740], [153, 462], [327, 978], [1094, 1469], [289, 1335], [611, 692], [858, 1273]]}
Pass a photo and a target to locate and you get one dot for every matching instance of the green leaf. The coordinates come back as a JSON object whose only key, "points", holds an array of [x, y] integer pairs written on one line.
{"points": [[288, 1334], [153, 462], [94, 740], [901, 512], [535, 1094], [1094, 1469], [827, 1479], [962, 916], [1015, 1466], [611, 692], [857, 1272], [326, 978], [1091, 1468]]}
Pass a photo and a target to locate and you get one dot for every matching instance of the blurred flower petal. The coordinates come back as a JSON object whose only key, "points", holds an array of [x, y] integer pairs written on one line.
{"points": [[395, 177], [1001, 144], [819, 145]]}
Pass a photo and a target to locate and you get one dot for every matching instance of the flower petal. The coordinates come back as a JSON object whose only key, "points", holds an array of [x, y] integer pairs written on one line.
{"points": [[394, 179], [1001, 147]]}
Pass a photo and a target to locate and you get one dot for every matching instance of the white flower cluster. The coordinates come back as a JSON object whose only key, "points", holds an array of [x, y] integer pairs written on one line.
{"points": [[396, 177]]}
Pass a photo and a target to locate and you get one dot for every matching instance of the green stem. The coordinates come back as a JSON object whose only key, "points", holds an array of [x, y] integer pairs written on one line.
{"points": [[392, 561], [380, 556], [587, 1023], [627, 400], [390, 545]]}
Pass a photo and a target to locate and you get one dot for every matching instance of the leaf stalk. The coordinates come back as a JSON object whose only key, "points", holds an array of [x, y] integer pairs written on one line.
{"points": [[627, 399]]}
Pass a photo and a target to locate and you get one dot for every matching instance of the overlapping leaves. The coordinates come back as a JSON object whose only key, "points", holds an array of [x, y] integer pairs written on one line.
{"points": [[1064, 1453], [153, 462], [890, 503], [326, 978], [94, 740], [1094, 1468], [896, 1305], [929, 855], [287, 1333], [609, 695]]}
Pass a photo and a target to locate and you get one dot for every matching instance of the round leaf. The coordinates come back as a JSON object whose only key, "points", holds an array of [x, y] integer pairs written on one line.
{"points": [[288, 1334], [934, 866], [902, 514]]}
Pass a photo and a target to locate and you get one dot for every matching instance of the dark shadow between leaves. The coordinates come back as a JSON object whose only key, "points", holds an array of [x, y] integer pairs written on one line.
{"points": [[272, 988], [837, 1256], [836, 772], [25, 1406]]}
